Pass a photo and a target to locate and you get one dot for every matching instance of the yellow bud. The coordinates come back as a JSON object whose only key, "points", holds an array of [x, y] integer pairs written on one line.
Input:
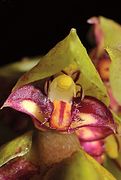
{"points": [[64, 82], [62, 88]]}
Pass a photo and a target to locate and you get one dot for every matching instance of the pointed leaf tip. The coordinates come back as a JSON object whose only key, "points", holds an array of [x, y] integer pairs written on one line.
{"points": [[67, 52]]}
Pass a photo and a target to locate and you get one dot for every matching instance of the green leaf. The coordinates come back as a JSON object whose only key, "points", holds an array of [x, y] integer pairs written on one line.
{"points": [[112, 166], [112, 44], [110, 142], [112, 32], [115, 72], [117, 120], [79, 166], [15, 148], [18, 67], [68, 52]]}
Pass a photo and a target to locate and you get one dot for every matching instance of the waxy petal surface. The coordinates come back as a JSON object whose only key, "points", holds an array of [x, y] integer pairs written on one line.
{"points": [[93, 113], [30, 100], [92, 133]]}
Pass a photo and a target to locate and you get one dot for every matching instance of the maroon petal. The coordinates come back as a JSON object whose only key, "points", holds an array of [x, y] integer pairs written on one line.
{"points": [[19, 169], [94, 148], [91, 112], [30, 100], [92, 133]]}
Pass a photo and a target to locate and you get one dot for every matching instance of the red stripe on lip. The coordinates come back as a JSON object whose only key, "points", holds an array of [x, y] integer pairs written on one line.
{"points": [[61, 114]]}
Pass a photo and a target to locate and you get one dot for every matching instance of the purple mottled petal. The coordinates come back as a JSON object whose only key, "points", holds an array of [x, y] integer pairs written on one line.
{"points": [[94, 148], [30, 100], [92, 133], [93, 113]]}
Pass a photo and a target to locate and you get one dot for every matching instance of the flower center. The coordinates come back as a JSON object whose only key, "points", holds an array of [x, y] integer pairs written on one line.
{"points": [[64, 82]]}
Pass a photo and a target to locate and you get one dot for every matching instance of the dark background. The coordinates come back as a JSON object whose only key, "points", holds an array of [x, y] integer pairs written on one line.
{"points": [[29, 28]]}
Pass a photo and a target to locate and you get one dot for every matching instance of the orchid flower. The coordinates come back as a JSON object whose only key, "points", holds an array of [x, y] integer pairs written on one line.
{"points": [[64, 94]]}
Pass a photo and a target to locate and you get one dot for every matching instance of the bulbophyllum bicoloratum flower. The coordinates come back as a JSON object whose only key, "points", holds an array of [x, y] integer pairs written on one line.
{"points": [[63, 107], [68, 103]]}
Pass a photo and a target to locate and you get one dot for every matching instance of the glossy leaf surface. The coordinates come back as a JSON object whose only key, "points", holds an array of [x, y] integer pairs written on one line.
{"points": [[15, 148], [78, 166]]}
